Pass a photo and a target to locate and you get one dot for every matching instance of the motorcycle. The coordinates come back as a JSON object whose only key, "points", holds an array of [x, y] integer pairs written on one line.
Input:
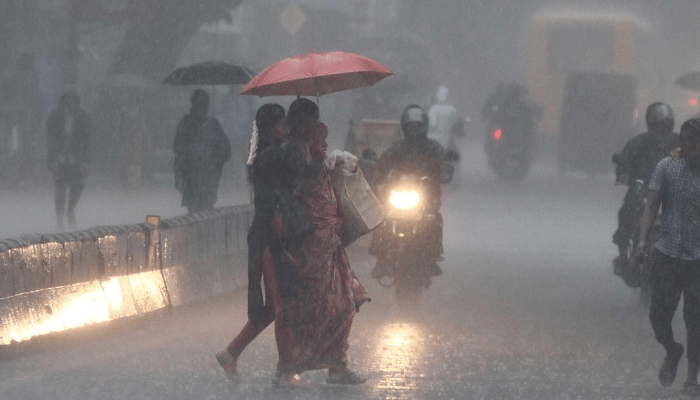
{"points": [[409, 233], [626, 266], [508, 151]]}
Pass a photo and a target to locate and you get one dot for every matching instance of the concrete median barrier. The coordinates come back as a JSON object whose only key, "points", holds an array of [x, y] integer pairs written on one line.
{"points": [[51, 283]]}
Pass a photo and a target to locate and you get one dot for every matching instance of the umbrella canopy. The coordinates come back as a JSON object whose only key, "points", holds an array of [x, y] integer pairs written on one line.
{"points": [[210, 73], [316, 74], [690, 80]]}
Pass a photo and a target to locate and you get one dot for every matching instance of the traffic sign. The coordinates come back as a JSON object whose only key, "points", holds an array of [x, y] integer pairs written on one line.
{"points": [[292, 18]]}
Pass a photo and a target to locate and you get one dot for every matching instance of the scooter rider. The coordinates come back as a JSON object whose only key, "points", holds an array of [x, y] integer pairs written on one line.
{"points": [[636, 162], [420, 155], [510, 104]]}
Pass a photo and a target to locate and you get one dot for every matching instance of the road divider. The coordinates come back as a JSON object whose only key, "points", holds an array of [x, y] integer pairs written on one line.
{"points": [[52, 283]]}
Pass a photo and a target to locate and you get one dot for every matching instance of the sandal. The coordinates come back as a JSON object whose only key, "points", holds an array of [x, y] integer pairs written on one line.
{"points": [[228, 363], [344, 377], [287, 380]]}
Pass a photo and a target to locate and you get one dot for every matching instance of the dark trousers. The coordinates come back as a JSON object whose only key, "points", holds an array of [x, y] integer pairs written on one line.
{"points": [[69, 180], [625, 219], [671, 277]]}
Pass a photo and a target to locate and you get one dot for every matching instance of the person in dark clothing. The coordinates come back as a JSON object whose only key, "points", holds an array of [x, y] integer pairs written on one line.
{"points": [[674, 188], [420, 155], [509, 104], [264, 243], [636, 162], [69, 154], [201, 149], [416, 153]]}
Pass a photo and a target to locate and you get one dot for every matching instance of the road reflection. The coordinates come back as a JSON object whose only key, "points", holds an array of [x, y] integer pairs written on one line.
{"points": [[397, 357]]}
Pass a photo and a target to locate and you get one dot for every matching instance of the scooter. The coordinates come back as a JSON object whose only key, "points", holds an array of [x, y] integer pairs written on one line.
{"points": [[409, 235], [508, 149]]}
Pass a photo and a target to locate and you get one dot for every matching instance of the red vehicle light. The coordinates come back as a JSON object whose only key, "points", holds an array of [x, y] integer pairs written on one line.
{"points": [[497, 134], [693, 102]]}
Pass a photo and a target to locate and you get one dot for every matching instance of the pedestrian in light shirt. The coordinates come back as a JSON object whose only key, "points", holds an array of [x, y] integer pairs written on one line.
{"points": [[675, 184]]}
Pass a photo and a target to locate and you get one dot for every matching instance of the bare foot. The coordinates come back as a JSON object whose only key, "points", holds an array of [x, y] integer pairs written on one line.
{"points": [[290, 380], [228, 363]]}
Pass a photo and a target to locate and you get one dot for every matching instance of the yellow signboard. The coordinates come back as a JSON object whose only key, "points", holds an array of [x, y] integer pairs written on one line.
{"points": [[292, 18]]}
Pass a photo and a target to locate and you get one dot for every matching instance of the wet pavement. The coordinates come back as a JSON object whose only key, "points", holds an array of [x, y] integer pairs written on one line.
{"points": [[527, 308]]}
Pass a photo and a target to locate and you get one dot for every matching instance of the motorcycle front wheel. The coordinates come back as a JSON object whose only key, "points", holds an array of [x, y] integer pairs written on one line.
{"points": [[407, 289], [406, 292]]}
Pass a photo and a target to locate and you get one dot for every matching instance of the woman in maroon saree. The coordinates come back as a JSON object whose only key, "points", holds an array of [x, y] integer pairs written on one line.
{"points": [[317, 316]]}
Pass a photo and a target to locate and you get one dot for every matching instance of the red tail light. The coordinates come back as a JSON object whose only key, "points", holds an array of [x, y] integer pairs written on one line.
{"points": [[693, 102], [497, 134]]}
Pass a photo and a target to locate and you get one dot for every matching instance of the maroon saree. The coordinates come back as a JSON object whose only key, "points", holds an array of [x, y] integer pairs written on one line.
{"points": [[316, 320]]}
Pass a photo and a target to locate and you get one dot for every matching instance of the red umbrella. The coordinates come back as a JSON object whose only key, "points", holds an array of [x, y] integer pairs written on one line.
{"points": [[316, 74]]}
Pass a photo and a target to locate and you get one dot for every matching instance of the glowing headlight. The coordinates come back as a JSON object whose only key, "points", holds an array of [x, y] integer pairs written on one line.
{"points": [[404, 200]]}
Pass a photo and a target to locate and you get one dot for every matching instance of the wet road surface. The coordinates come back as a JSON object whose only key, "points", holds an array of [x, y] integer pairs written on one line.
{"points": [[527, 308]]}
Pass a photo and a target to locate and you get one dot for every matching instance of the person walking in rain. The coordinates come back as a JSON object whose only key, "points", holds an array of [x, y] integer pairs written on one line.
{"points": [[324, 293], [201, 149], [675, 259], [265, 251], [69, 154]]}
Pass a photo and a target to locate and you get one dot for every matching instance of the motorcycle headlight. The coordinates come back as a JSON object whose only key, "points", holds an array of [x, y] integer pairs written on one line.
{"points": [[404, 200]]}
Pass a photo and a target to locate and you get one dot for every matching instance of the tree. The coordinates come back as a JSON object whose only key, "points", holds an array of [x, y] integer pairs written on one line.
{"points": [[158, 32]]}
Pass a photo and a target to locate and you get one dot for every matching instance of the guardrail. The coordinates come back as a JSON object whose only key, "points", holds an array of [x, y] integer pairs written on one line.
{"points": [[51, 283]]}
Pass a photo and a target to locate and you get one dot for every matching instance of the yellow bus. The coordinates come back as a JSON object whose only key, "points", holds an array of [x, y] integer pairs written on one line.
{"points": [[560, 42]]}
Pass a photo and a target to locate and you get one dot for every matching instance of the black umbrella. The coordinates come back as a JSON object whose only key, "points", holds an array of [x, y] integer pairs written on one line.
{"points": [[210, 73], [690, 80]]}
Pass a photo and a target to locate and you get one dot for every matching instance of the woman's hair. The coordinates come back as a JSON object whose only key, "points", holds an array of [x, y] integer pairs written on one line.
{"points": [[266, 118], [299, 111]]}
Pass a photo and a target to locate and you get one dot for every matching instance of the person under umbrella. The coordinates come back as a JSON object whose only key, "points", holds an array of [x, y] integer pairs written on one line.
{"points": [[325, 295], [265, 254]]}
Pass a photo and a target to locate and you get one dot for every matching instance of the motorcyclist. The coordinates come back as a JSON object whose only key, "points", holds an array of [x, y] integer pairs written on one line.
{"points": [[636, 162], [420, 155], [509, 104]]}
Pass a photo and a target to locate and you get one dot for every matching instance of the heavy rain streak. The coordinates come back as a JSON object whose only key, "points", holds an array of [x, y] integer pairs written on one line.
{"points": [[502, 186]]}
